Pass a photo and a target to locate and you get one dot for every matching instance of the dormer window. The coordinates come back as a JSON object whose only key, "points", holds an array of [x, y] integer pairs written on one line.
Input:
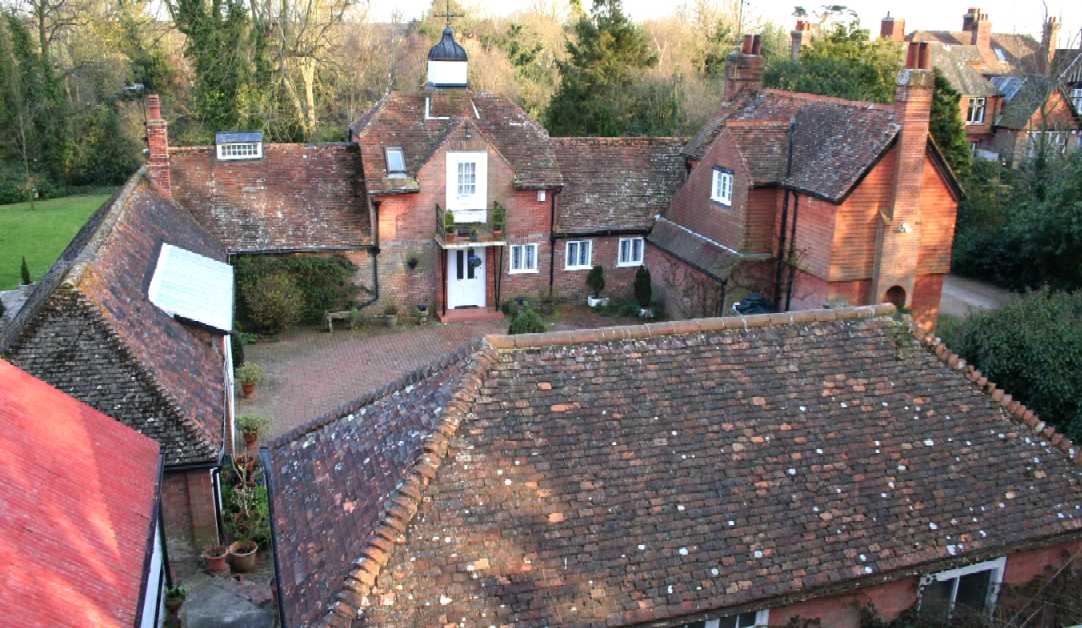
{"points": [[236, 146], [721, 188], [975, 115], [396, 161]]}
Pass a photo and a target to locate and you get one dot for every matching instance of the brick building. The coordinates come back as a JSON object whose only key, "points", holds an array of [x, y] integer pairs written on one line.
{"points": [[852, 195], [110, 325], [718, 472]]}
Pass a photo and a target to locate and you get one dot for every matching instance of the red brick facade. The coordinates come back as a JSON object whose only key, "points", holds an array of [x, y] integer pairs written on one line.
{"points": [[188, 508]]}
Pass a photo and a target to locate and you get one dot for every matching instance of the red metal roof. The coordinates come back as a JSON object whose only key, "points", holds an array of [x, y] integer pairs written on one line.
{"points": [[77, 496]]}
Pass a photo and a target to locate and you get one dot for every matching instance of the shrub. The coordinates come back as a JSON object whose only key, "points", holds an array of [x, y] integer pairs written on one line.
{"points": [[326, 283], [1032, 348], [250, 373], [595, 280], [24, 272], [253, 424], [527, 321], [274, 302], [644, 293]]}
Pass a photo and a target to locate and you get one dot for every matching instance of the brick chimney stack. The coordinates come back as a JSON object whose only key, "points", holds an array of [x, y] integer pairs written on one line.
{"points": [[744, 69], [898, 241], [800, 36], [980, 29], [158, 147], [892, 29], [1049, 37]]}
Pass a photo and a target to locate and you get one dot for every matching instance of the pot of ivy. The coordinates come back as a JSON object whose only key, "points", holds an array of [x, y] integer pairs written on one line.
{"points": [[411, 262], [249, 374], [174, 598], [242, 555], [390, 315], [422, 313], [252, 426], [449, 227], [214, 557]]}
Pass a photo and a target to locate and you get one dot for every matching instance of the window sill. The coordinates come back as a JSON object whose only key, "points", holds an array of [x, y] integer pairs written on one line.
{"points": [[578, 267], [523, 272], [628, 264], [728, 205]]}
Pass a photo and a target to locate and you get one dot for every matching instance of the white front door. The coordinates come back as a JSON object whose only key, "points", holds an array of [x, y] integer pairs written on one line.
{"points": [[466, 277]]}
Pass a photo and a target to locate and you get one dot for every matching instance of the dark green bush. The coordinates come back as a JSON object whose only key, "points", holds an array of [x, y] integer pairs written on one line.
{"points": [[1032, 348], [326, 283], [24, 273], [595, 280], [527, 321], [274, 302], [644, 292]]}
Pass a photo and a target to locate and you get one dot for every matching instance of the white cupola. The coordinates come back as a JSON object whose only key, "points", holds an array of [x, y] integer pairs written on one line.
{"points": [[447, 63]]}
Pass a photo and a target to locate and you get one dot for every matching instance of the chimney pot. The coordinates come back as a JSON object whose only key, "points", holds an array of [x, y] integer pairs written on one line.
{"points": [[745, 48], [756, 45], [154, 107], [924, 56]]}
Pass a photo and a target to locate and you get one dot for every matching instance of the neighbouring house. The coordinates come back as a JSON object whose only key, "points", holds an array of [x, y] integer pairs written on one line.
{"points": [[80, 537], [854, 197], [1067, 70], [719, 472], [133, 319], [1010, 102]]}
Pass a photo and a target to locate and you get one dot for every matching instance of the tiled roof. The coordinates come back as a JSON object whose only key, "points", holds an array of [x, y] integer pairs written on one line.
{"points": [[1024, 95], [298, 197], [1019, 51], [834, 142], [706, 255], [399, 120], [616, 183], [959, 66], [1066, 63], [331, 482], [661, 472], [90, 330], [79, 494]]}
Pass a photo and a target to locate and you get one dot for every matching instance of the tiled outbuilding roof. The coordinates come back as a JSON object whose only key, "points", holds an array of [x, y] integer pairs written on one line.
{"points": [[615, 183], [79, 493], [834, 141], [959, 66], [660, 473], [90, 330], [418, 123], [690, 247], [298, 197], [1019, 52]]}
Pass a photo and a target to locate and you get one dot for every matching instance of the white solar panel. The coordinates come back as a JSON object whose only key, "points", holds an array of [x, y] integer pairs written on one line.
{"points": [[193, 287]]}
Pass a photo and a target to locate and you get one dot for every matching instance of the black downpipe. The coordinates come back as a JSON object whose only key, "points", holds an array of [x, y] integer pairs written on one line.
{"points": [[552, 245], [499, 274], [792, 252], [375, 258], [265, 460], [784, 220], [721, 298]]}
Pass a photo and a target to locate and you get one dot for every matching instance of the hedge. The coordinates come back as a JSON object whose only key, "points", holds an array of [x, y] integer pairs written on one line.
{"points": [[325, 283]]}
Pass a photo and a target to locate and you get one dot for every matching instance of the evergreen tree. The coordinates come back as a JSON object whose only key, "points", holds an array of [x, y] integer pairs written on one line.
{"points": [[601, 91], [24, 273], [947, 128]]}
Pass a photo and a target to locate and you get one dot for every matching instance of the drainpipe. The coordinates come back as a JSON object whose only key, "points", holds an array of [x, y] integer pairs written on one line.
{"points": [[784, 220], [552, 244], [792, 252], [375, 258]]}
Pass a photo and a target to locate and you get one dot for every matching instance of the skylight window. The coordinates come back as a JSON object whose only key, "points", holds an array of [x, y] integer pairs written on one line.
{"points": [[193, 287], [396, 160], [1000, 55]]}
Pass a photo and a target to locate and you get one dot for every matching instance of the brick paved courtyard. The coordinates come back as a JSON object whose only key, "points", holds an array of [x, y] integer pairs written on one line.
{"points": [[310, 372]]}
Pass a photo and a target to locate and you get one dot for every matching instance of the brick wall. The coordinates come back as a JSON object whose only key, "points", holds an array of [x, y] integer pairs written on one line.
{"points": [[684, 291], [983, 131], [188, 508], [856, 227], [762, 221], [571, 284], [814, 233], [692, 207]]}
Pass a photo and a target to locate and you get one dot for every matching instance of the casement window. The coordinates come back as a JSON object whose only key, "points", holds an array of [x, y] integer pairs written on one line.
{"points": [[466, 177], [976, 111], [1076, 100], [721, 189], [240, 150], [396, 160], [750, 619], [579, 255], [630, 252], [974, 587], [523, 258]]}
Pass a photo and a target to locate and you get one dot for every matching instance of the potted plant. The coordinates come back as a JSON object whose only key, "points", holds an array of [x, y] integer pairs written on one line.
{"points": [[412, 261], [249, 374], [214, 557], [252, 426], [390, 315], [499, 220], [644, 292], [422, 313], [174, 597], [595, 281], [242, 555], [448, 226]]}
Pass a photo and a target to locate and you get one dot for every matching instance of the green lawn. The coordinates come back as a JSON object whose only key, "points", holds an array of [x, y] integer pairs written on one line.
{"points": [[40, 233]]}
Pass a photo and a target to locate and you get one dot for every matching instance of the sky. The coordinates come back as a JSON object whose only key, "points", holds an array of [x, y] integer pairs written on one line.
{"points": [[1007, 16]]}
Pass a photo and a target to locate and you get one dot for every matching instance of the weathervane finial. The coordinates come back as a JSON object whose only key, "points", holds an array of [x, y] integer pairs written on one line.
{"points": [[447, 15]]}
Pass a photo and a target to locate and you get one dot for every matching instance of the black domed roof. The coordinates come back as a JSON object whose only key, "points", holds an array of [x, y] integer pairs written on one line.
{"points": [[448, 49]]}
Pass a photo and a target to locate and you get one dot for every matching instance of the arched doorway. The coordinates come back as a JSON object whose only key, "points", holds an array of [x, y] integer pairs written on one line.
{"points": [[896, 295]]}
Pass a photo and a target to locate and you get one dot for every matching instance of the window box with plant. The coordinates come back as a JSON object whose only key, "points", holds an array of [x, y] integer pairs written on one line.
{"points": [[595, 281], [252, 426], [249, 374]]}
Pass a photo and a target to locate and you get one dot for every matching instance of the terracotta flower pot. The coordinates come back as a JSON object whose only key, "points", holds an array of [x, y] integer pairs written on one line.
{"points": [[215, 559], [247, 388], [172, 604], [242, 556], [250, 439]]}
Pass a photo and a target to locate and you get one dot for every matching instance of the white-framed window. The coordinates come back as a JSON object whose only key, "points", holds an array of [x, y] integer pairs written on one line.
{"points": [[630, 252], [240, 150], [976, 110], [750, 619], [523, 258], [396, 160], [466, 182], [579, 255], [721, 188], [974, 586], [1076, 99]]}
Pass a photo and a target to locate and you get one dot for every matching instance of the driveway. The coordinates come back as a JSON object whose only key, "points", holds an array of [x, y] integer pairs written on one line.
{"points": [[962, 296]]}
